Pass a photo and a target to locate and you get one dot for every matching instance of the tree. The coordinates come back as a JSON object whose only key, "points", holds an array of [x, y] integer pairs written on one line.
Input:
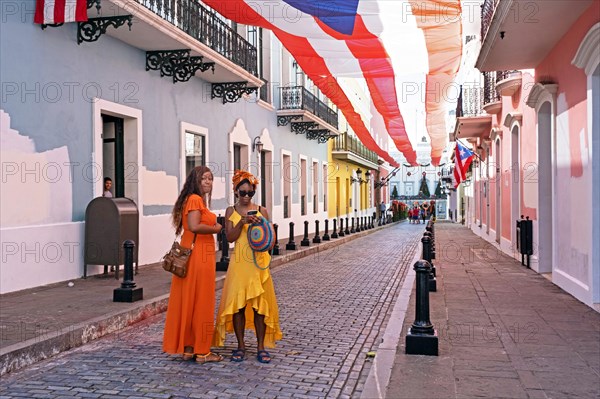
{"points": [[395, 192], [438, 189], [424, 189]]}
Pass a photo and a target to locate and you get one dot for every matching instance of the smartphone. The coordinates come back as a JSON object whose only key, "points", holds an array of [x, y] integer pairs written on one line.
{"points": [[252, 213]]}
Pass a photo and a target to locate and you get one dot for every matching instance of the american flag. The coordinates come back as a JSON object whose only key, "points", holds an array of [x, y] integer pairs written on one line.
{"points": [[462, 159], [50, 12]]}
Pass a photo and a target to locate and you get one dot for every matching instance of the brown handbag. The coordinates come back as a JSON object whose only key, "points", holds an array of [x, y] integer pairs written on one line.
{"points": [[176, 260]]}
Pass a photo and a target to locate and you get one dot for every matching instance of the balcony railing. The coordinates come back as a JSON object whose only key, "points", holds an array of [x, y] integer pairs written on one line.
{"points": [[490, 95], [344, 142], [205, 26], [470, 102], [501, 75], [487, 12], [298, 97]]}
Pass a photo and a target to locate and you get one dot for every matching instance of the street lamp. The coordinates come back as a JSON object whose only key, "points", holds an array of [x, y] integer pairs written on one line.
{"points": [[257, 145], [358, 179]]}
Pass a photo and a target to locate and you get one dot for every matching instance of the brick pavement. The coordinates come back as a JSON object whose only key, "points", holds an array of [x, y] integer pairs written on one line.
{"points": [[334, 307], [504, 331]]}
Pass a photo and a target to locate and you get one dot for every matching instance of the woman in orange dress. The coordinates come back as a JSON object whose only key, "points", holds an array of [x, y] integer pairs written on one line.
{"points": [[189, 326], [248, 299]]}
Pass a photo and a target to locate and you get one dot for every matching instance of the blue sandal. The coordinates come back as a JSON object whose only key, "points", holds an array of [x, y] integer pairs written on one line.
{"points": [[263, 357], [238, 355]]}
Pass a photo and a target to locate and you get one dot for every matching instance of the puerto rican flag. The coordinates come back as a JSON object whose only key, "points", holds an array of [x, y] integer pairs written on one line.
{"points": [[338, 39], [462, 159], [50, 12]]}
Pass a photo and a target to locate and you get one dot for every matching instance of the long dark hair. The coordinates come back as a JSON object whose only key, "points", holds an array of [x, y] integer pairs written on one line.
{"points": [[191, 186]]}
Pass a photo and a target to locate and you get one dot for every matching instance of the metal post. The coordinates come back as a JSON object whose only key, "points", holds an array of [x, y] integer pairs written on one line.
{"points": [[426, 241], [128, 291], [347, 231], [291, 245], [326, 234], [422, 338], [305, 241], [276, 250], [352, 229], [223, 264], [341, 233], [334, 233], [316, 238]]}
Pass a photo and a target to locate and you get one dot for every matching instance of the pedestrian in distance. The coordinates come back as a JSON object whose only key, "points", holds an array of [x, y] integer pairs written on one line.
{"points": [[189, 326], [248, 299], [382, 209]]}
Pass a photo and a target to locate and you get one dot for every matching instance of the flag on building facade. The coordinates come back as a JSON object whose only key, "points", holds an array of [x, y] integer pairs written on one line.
{"points": [[462, 159], [343, 39], [51, 12]]}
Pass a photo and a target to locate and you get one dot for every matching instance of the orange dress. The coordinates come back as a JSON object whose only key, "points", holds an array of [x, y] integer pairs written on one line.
{"points": [[190, 314]]}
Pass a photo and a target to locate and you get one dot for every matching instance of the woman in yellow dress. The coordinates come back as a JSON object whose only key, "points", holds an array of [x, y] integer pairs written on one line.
{"points": [[248, 299]]}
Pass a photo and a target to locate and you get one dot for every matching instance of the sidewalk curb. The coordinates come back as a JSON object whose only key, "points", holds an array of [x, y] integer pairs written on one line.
{"points": [[381, 370], [23, 354]]}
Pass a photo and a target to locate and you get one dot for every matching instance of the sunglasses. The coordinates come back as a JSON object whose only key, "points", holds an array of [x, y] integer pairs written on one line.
{"points": [[244, 193]]}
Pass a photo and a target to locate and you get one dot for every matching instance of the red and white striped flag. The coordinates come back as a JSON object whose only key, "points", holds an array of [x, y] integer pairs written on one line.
{"points": [[59, 11]]}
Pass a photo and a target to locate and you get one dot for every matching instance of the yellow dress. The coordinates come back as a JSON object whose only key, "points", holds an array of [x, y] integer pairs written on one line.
{"points": [[246, 284]]}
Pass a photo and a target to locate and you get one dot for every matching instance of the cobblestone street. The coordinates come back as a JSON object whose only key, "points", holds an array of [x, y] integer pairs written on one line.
{"points": [[334, 308]]}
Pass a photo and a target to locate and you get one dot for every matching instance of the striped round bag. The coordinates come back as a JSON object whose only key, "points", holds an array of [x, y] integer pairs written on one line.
{"points": [[261, 235]]}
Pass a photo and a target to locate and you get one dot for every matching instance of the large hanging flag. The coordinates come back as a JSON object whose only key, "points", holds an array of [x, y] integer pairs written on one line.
{"points": [[60, 11], [462, 159], [342, 38]]}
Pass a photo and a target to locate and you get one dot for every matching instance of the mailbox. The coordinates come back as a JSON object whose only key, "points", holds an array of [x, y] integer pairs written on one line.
{"points": [[525, 239], [108, 223]]}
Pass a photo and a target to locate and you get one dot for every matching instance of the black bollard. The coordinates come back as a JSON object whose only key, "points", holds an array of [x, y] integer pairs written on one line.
{"points": [[334, 233], [276, 250], [222, 223], [316, 238], [370, 222], [432, 244], [341, 233], [431, 252], [291, 245], [128, 291], [347, 231], [426, 241], [326, 235], [223, 264], [305, 241], [352, 229], [422, 338]]}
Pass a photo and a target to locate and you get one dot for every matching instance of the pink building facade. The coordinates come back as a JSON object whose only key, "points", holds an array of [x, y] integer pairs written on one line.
{"points": [[538, 139]]}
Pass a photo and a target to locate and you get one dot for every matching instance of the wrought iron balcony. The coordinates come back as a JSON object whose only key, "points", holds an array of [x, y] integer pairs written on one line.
{"points": [[347, 143], [487, 12], [205, 26], [299, 98], [470, 102], [491, 97]]}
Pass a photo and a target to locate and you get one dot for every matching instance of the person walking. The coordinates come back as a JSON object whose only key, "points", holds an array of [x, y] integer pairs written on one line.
{"points": [[189, 326], [382, 209], [248, 299]]}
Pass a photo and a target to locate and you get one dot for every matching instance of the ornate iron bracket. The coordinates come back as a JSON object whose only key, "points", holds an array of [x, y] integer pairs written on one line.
{"points": [[303, 127], [176, 63], [286, 119], [93, 28], [90, 4], [230, 92], [321, 135], [44, 26]]}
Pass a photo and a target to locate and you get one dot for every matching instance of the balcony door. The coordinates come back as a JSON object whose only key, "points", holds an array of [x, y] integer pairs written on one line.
{"points": [[113, 153]]}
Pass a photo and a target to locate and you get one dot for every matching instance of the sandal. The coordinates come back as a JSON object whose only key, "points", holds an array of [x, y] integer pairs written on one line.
{"points": [[263, 357], [238, 355], [188, 353], [208, 358]]}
